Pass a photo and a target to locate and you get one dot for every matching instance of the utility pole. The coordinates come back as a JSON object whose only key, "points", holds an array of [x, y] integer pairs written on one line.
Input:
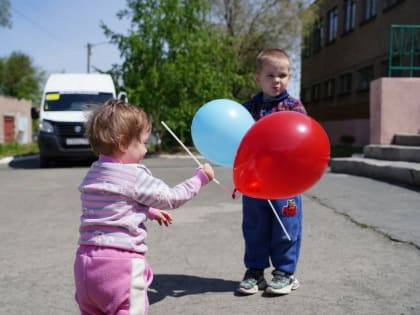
{"points": [[89, 52]]}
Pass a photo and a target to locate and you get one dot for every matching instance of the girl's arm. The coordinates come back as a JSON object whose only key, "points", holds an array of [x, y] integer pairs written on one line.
{"points": [[154, 192]]}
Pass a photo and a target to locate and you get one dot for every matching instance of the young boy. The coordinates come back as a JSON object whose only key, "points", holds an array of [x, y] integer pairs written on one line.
{"points": [[263, 235]]}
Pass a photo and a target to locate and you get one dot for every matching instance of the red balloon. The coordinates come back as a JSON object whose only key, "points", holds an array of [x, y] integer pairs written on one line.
{"points": [[282, 155]]}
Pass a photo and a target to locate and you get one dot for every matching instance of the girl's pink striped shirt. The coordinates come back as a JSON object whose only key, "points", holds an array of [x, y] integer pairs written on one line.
{"points": [[118, 198]]}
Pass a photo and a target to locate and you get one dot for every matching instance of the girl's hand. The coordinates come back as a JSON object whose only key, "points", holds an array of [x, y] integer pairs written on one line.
{"points": [[208, 170], [163, 217]]}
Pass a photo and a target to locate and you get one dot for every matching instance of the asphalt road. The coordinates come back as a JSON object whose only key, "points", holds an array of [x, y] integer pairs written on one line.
{"points": [[360, 252]]}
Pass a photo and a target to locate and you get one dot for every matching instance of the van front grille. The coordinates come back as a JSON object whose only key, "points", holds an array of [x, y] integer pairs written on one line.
{"points": [[70, 130], [66, 131]]}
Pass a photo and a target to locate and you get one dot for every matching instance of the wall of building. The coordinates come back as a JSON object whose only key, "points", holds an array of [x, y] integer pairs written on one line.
{"points": [[394, 108], [355, 132], [20, 112], [365, 46]]}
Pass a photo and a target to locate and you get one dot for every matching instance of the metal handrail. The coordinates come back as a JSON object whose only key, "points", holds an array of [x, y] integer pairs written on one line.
{"points": [[404, 49]]}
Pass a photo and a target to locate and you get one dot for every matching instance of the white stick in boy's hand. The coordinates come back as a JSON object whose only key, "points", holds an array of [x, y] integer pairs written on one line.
{"points": [[278, 219]]}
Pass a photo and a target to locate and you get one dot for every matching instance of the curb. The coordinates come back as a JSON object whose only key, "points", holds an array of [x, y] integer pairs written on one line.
{"points": [[8, 159], [407, 173]]}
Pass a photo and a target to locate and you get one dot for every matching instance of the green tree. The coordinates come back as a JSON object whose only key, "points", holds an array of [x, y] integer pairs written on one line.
{"points": [[180, 54], [259, 24], [2, 66], [174, 61], [5, 20], [19, 78]]}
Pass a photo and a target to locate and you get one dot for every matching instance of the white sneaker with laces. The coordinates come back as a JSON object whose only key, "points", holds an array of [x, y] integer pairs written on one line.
{"points": [[282, 283]]}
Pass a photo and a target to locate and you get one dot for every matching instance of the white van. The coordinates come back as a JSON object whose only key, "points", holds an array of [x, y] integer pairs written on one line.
{"points": [[62, 115]]}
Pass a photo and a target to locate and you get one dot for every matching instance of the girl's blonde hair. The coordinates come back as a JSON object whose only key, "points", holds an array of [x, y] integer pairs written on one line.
{"points": [[272, 55], [115, 124]]}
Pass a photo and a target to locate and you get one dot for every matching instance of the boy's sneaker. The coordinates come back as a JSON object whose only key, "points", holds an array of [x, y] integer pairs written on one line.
{"points": [[252, 282], [282, 283]]}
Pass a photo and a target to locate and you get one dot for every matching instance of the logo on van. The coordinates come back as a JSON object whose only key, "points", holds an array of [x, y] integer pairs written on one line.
{"points": [[77, 129]]}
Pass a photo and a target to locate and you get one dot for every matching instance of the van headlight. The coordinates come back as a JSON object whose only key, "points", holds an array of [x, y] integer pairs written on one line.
{"points": [[46, 126]]}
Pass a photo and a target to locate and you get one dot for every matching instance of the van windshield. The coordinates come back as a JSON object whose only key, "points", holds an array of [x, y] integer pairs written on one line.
{"points": [[73, 102]]}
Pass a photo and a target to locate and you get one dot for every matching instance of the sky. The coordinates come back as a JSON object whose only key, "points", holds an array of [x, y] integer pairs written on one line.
{"points": [[55, 33]]}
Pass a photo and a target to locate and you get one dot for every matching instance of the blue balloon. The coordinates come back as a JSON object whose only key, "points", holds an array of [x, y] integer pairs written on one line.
{"points": [[218, 128]]}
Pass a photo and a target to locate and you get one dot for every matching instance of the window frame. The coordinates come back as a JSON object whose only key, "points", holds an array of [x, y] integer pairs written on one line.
{"points": [[365, 75], [349, 14], [329, 89], [345, 84], [389, 4], [332, 25], [370, 10], [316, 93]]}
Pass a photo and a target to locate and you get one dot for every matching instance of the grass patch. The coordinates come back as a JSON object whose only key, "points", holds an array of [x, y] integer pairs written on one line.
{"points": [[16, 149]]}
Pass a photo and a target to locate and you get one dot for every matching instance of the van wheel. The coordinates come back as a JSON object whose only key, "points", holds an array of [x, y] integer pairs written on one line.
{"points": [[44, 162]]}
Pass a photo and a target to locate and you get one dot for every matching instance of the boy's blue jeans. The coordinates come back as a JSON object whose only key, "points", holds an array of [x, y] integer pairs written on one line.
{"points": [[264, 237]]}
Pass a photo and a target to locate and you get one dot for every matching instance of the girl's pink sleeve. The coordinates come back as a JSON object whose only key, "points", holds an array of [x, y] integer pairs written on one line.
{"points": [[154, 192], [151, 213]]}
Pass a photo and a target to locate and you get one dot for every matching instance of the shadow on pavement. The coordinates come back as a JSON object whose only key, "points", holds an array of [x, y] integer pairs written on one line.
{"points": [[164, 285], [32, 162]]}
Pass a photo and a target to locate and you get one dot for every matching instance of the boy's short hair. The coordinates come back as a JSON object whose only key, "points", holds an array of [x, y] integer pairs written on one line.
{"points": [[114, 124], [271, 55]]}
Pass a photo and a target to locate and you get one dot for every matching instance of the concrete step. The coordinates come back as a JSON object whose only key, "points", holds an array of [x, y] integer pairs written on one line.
{"points": [[392, 152], [406, 139], [402, 172]]}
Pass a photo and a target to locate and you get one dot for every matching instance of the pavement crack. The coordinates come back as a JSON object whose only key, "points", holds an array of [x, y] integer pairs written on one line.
{"points": [[364, 225]]}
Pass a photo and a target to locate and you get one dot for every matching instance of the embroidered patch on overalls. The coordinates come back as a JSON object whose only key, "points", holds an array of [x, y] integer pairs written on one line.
{"points": [[290, 209]]}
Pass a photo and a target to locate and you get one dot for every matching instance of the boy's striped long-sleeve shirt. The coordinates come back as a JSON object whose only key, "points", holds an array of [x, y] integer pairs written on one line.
{"points": [[260, 106], [118, 198]]}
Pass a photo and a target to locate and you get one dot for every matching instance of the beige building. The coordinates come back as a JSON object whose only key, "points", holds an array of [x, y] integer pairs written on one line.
{"points": [[348, 49], [15, 120]]}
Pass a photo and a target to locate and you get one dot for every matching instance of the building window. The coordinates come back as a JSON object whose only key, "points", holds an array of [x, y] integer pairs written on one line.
{"points": [[313, 42], [329, 89], [388, 4], [315, 93], [349, 15], [332, 25], [318, 35], [306, 47], [366, 75], [345, 84], [369, 9]]}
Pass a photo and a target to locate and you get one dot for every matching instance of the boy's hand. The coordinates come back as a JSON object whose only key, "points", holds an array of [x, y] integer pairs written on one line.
{"points": [[163, 217]]}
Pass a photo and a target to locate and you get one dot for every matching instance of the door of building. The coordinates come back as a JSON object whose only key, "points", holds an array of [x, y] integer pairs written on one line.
{"points": [[9, 129]]}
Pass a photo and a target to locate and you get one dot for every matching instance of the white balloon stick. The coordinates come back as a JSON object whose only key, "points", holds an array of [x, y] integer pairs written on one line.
{"points": [[278, 218], [185, 148], [182, 145]]}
